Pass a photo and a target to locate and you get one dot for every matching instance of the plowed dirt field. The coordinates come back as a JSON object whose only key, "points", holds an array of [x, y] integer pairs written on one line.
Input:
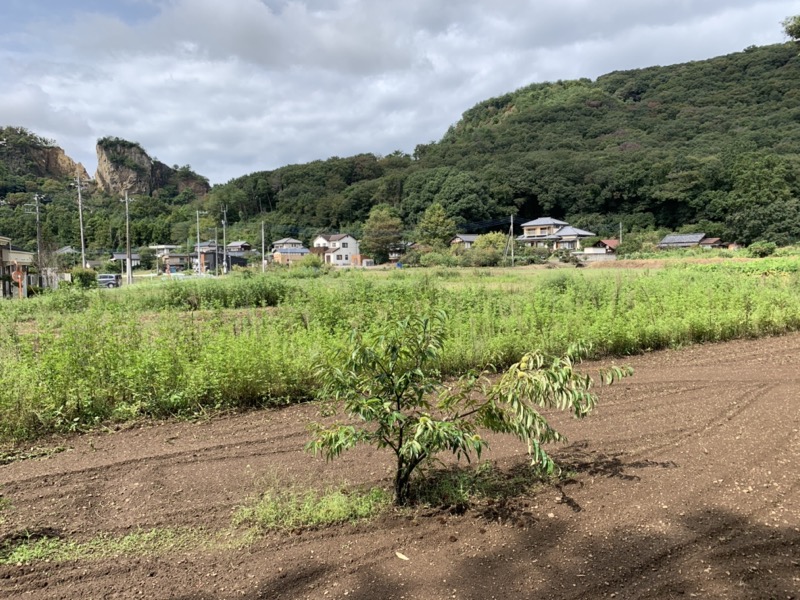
{"points": [[686, 484]]}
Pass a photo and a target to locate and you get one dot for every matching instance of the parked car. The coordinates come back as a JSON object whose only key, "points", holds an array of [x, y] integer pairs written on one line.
{"points": [[108, 280]]}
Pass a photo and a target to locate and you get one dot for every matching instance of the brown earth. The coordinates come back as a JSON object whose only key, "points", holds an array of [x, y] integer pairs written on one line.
{"points": [[687, 484]]}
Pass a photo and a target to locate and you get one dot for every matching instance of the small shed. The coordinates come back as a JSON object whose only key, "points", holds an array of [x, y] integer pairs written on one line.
{"points": [[681, 240]]}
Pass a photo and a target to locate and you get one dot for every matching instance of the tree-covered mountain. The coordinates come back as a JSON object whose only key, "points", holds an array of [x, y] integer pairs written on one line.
{"points": [[710, 145]]}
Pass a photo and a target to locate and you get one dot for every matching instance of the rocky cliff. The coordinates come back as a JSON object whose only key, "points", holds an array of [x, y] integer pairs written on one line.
{"points": [[124, 165], [26, 153]]}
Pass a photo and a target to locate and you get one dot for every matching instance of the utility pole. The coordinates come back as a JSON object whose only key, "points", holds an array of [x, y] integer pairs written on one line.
{"points": [[128, 267], [34, 209], [199, 264], [80, 221], [512, 240], [620, 232], [263, 247], [224, 241]]}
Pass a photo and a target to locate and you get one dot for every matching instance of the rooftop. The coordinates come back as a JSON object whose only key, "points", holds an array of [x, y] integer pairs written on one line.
{"points": [[544, 222], [682, 239]]}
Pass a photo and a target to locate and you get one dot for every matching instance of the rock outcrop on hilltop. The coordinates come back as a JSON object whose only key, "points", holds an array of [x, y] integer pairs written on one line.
{"points": [[55, 163], [24, 152], [125, 166]]}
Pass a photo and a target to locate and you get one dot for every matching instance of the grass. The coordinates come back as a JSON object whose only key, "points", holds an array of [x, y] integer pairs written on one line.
{"points": [[288, 509], [35, 548]]}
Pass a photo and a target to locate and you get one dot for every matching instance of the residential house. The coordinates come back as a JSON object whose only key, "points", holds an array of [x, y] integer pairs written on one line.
{"points": [[288, 256], [545, 232], [606, 246], [339, 249], [286, 243], [238, 248], [169, 261], [214, 259], [203, 256], [174, 262], [569, 238], [396, 252], [66, 250], [464, 240], [136, 260], [14, 265], [602, 250], [709, 243], [162, 250], [67, 256]]}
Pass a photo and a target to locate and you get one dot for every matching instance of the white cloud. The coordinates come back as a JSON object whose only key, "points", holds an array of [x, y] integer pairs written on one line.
{"points": [[242, 85]]}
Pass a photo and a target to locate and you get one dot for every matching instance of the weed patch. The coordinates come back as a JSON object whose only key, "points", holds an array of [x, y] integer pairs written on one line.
{"points": [[34, 547], [9, 456], [76, 358], [292, 509]]}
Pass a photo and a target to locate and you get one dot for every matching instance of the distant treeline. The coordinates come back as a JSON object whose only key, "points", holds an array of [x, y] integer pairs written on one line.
{"points": [[710, 146]]}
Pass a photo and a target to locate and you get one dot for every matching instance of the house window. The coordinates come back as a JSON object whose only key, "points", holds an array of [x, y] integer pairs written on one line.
{"points": [[347, 257], [344, 244], [338, 257]]}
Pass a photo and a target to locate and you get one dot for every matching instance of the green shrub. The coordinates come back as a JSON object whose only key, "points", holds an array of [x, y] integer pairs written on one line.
{"points": [[310, 261], [762, 249], [84, 278], [438, 259]]}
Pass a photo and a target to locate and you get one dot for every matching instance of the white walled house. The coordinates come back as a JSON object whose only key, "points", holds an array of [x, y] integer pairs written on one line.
{"points": [[340, 249], [550, 233]]}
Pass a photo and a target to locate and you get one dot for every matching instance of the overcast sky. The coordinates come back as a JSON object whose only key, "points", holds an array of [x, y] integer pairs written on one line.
{"points": [[236, 86]]}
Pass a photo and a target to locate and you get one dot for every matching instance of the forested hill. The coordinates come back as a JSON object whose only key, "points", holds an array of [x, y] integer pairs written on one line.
{"points": [[711, 145]]}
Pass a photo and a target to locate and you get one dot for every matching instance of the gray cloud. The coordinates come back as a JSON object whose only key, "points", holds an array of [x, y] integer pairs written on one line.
{"points": [[242, 85]]}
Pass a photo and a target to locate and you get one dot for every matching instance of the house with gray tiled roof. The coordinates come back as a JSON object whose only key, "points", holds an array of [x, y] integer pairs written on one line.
{"points": [[464, 240], [545, 232], [286, 243]]}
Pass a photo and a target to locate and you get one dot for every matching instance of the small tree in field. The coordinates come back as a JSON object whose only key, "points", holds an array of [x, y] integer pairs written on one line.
{"points": [[390, 388]]}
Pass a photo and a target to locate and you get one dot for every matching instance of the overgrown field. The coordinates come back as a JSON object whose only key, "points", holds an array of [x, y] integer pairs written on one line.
{"points": [[72, 359]]}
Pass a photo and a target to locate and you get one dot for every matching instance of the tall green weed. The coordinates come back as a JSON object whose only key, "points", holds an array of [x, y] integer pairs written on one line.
{"points": [[117, 357]]}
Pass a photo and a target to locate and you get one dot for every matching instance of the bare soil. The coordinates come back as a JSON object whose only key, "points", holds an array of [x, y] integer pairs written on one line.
{"points": [[686, 484]]}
